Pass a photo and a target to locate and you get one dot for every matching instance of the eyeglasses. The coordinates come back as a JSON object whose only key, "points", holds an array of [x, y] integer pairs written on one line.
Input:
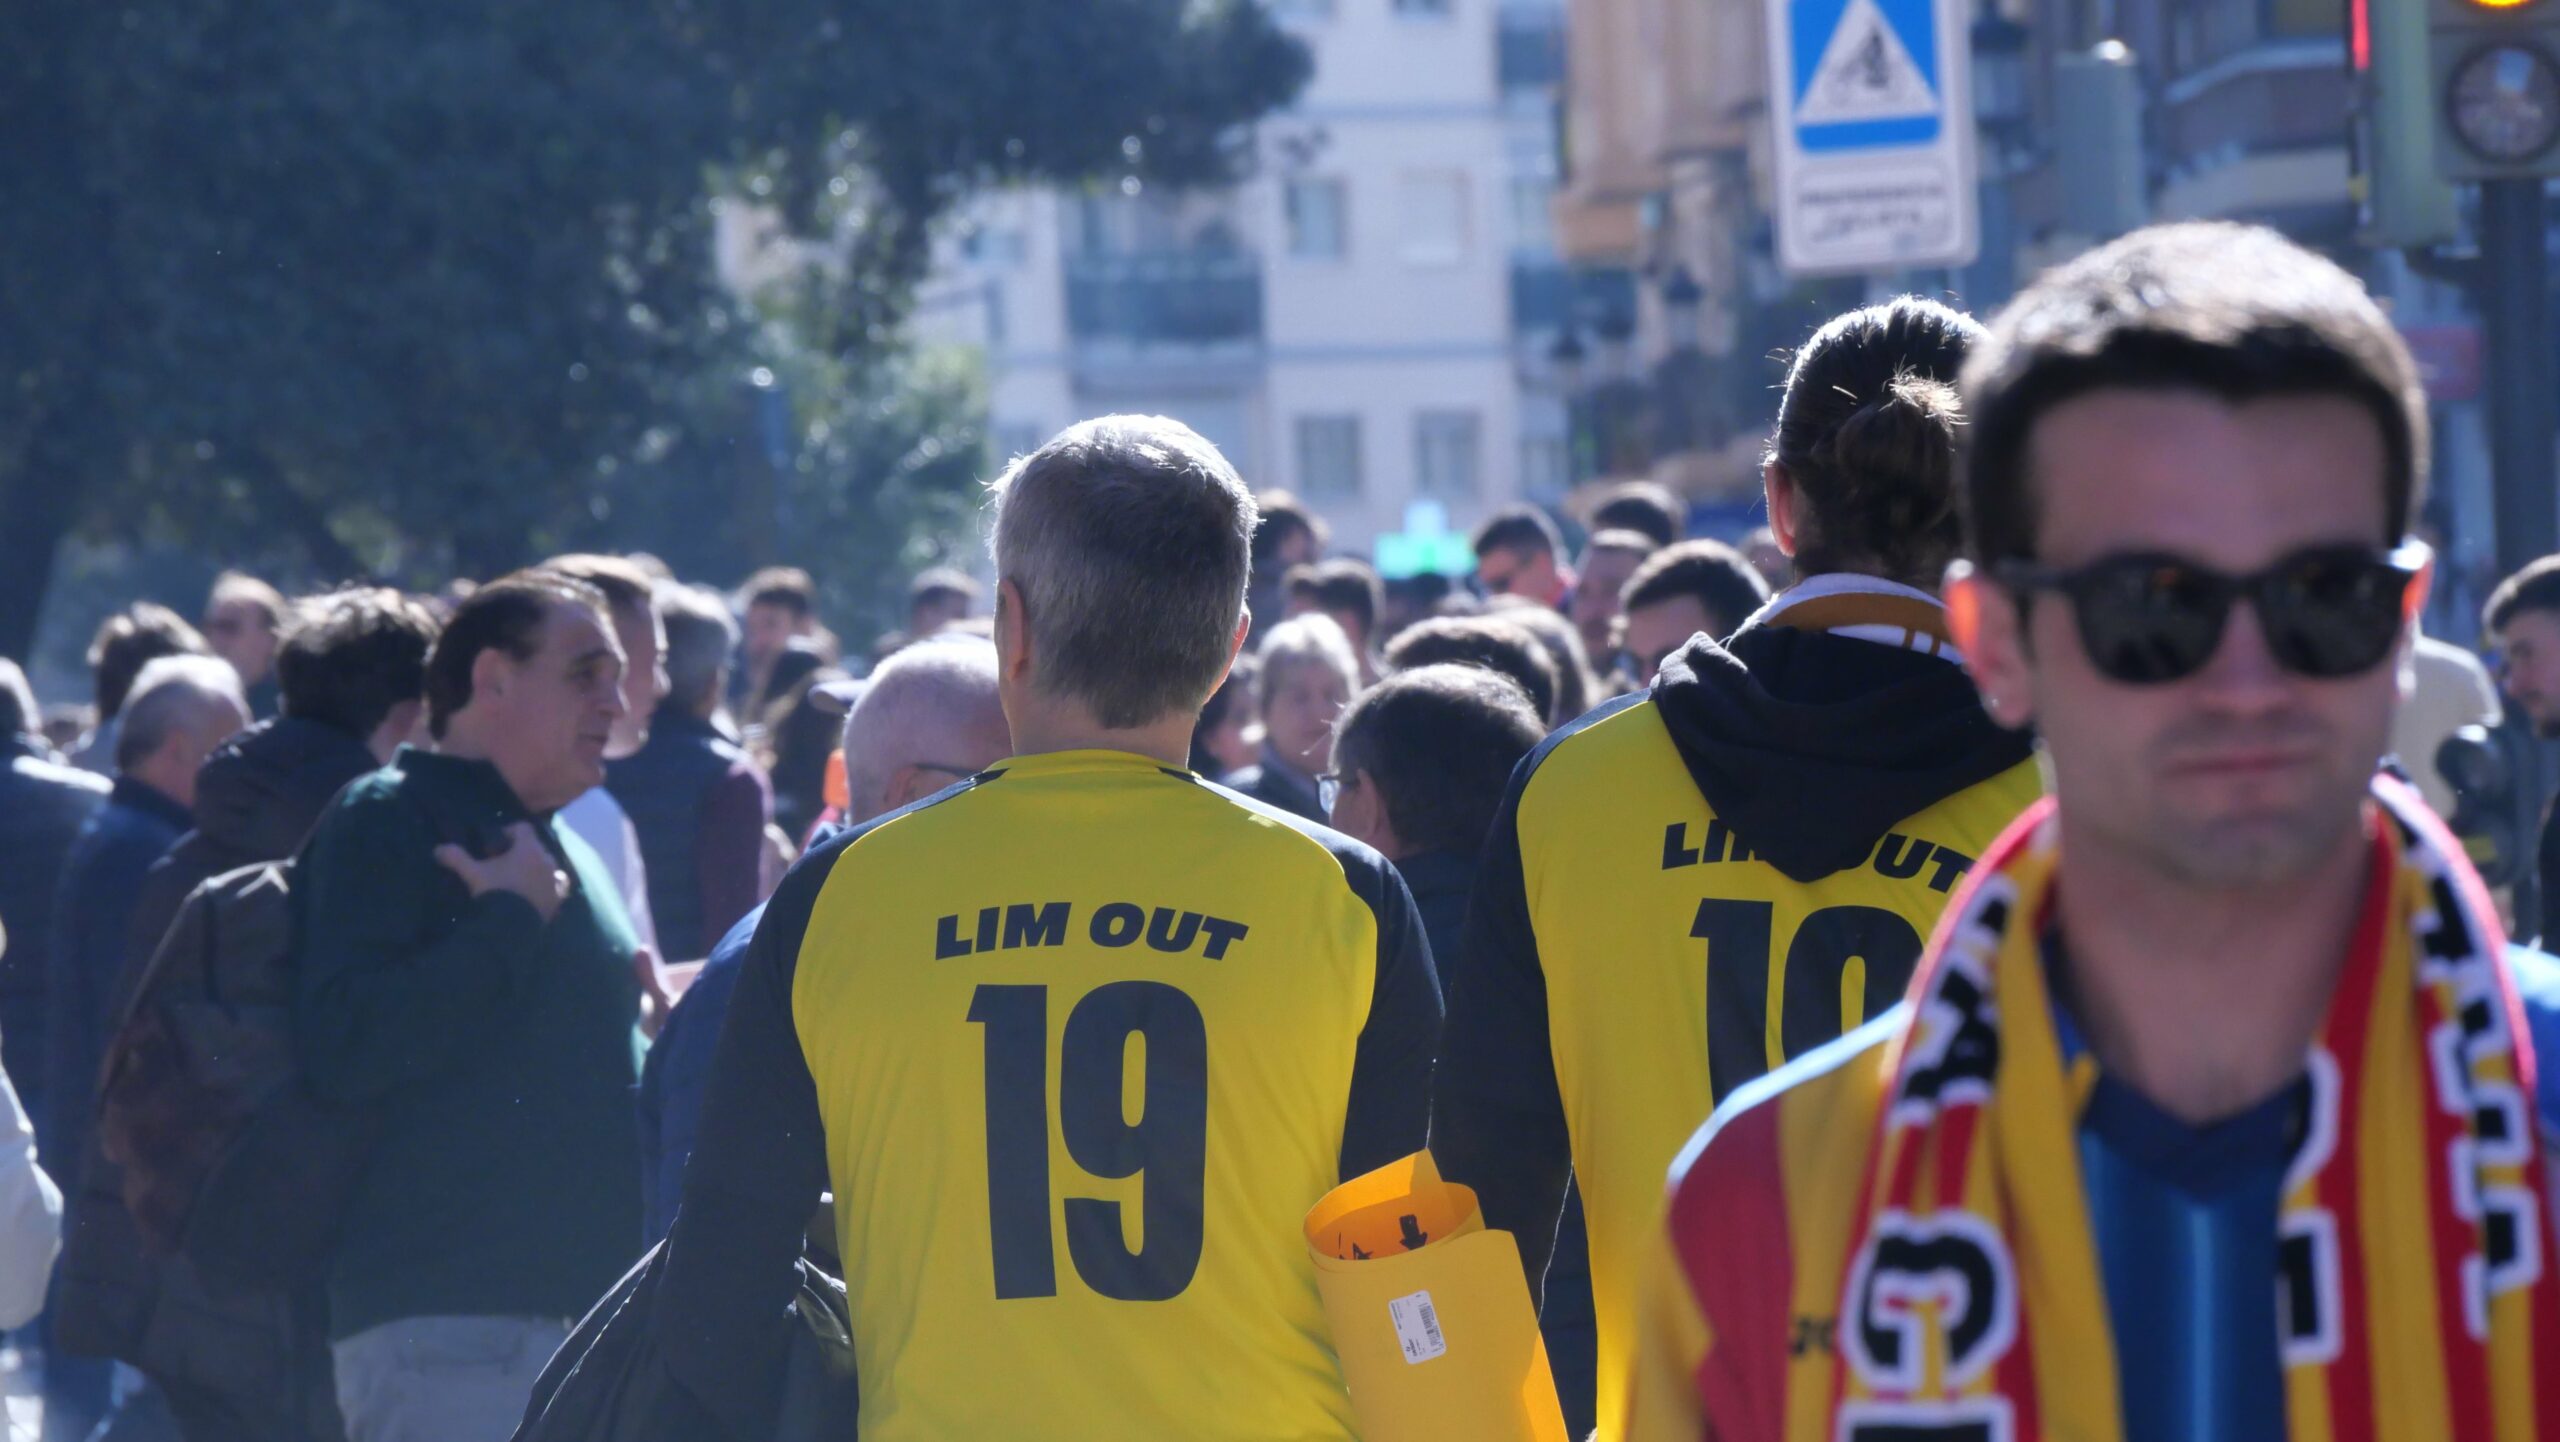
{"points": [[2149, 618], [1328, 790]]}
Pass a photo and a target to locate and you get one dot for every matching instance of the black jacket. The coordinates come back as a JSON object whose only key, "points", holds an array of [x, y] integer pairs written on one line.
{"points": [[265, 1354], [44, 802], [1782, 715]]}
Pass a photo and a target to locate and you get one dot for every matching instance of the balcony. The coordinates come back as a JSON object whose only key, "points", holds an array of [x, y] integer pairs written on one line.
{"points": [[1165, 298], [1529, 52], [1546, 294]]}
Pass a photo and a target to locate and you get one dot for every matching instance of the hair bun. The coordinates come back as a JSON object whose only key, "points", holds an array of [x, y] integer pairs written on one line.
{"points": [[1897, 454]]}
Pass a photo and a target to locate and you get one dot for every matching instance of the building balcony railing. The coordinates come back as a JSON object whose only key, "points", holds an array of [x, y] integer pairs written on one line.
{"points": [[1165, 298], [1546, 294]]}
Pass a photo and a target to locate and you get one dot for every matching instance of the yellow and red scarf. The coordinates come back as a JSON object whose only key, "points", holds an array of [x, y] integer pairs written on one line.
{"points": [[2418, 1301]]}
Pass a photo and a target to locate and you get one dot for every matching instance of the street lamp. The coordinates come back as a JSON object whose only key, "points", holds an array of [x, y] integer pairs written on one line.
{"points": [[1617, 330], [1567, 355], [2000, 102], [1681, 298]]}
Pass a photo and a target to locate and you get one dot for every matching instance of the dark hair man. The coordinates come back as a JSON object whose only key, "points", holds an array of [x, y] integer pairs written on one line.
{"points": [[180, 709], [1607, 561], [1519, 552], [928, 717], [1287, 536], [896, 1021], [1695, 882], [1562, 643], [780, 604], [43, 805], [2522, 620], [597, 816], [1499, 644], [697, 802], [1648, 508], [939, 596], [1419, 765], [1696, 588], [244, 621], [126, 642], [466, 972], [2192, 1012], [351, 675], [1347, 590]]}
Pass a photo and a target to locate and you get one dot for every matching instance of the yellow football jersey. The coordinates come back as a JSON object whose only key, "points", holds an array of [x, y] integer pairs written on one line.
{"points": [[1647, 954], [1086, 1038]]}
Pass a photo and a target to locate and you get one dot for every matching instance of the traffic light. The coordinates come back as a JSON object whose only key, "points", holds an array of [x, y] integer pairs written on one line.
{"points": [[2497, 87], [2402, 199]]}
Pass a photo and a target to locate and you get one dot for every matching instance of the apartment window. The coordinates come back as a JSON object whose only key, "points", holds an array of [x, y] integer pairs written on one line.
{"points": [[1429, 9], [1533, 230], [1446, 445], [1317, 229], [1543, 466], [1329, 456], [1001, 247], [1435, 217]]}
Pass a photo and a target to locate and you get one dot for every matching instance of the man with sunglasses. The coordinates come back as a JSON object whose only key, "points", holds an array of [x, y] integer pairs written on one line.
{"points": [[2208, 1116]]}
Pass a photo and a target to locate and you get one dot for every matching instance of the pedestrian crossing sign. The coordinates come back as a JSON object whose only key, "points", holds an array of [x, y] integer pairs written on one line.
{"points": [[1872, 118]]}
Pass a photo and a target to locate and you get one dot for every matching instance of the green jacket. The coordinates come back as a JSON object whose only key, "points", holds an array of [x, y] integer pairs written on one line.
{"points": [[499, 1050]]}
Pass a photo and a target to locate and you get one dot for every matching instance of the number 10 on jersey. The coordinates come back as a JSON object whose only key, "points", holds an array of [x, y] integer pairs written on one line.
{"points": [[1167, 1144]]}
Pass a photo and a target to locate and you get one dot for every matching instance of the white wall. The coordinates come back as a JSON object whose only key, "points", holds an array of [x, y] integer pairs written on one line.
{"points": [[1381, 333]]}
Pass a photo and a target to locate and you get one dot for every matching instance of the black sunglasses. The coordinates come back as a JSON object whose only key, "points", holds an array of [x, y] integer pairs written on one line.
{"points": [[2148, 618]]}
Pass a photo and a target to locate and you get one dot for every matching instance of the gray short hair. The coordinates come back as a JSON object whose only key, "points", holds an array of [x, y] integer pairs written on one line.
{"points": [[700, 635], [1131, 540], [171, 695], [1313, 639], [932, 690]]}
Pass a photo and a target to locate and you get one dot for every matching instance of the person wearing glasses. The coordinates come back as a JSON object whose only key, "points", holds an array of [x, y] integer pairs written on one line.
{"points": [[2209, 1115], [927, 719], [1735, 865]]}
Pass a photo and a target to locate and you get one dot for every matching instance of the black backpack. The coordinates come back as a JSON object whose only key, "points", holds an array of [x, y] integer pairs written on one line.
{"points": [[228, 1158], [608, 1382]]}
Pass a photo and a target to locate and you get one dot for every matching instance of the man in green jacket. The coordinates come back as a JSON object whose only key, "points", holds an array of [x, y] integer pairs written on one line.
{"points": [[466, 970]]}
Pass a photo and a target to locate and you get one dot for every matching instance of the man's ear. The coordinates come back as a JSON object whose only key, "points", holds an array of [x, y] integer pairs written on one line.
{"points": [[492, 671], [1013, 631], [1986, 625]]}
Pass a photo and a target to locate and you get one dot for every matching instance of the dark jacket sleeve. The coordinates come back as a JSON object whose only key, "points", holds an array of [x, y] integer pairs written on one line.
{"points": [[1390, 1110], [757, 1169], [728, 848], [672, 1083], [398, 964], [1497, 1119]]}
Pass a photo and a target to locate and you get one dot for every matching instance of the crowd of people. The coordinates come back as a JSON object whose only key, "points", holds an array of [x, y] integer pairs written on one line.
{"points": [[2009, 901]]}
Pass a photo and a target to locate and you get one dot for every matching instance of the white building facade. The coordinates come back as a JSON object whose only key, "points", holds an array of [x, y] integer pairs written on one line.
{"points": [[1363, 321]]}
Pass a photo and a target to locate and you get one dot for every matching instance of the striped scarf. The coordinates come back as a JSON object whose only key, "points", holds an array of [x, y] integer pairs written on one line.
{"points": [[2416, 1286]]}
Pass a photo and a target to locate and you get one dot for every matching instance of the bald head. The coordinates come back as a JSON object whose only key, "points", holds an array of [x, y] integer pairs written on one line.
{"points": [[929, 717], [182, 707]]}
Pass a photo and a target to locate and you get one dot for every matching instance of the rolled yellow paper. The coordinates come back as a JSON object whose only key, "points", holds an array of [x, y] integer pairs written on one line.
{"points": [[1430, 1315]]}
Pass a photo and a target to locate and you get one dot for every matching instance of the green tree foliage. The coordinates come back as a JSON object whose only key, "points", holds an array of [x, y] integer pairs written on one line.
{"points": [[373, 287]]}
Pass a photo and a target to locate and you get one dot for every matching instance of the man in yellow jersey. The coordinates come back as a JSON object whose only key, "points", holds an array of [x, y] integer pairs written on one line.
{"points": [[1076, 1042], [1699, 881]]}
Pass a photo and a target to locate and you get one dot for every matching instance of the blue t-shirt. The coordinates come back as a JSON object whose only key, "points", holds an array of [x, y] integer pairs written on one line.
{"points": [[2185, 1220]]}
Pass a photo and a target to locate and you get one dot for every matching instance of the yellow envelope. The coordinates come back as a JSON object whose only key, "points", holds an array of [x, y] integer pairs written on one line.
{"points": [[1430, 1314]]}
